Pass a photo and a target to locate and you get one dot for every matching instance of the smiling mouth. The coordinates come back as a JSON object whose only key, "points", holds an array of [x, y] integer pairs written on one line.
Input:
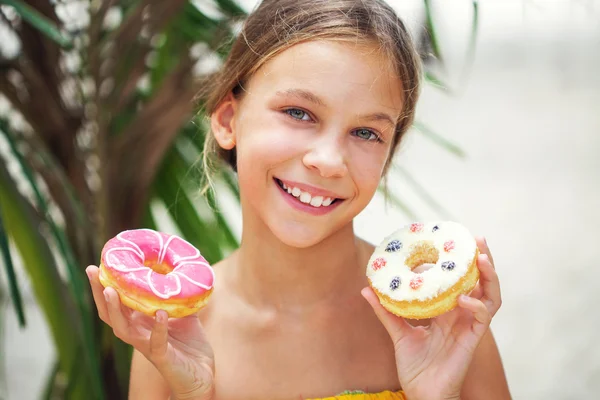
{"points": [[307, 198]]}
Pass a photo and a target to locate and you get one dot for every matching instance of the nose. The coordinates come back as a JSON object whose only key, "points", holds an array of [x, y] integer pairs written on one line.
{"points": [[326, 156]]}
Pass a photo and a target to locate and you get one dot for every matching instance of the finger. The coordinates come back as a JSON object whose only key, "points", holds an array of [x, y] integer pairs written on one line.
{"points": [[396, 326], [97, 292], [480, 313], [477, 293], [120, 324], [488, 280], [159, 338], [484, 249]]}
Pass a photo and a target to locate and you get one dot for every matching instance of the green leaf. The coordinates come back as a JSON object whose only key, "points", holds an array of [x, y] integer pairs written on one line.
{"points": [[15, 294], [149, 222], [470, 57], [75, 274], [422, 192], [391, 197], [231, 8], [24, 226], [437, 82], [48, 392], [439, 140], [182, 210], [223, 226], [40, 22], [435, 46]]}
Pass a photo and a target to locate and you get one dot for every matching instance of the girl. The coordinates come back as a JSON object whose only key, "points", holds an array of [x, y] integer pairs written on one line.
{"points": [[315, 96]]}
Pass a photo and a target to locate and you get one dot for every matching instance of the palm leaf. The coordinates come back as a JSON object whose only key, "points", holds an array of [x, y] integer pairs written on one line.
{"points": [[15, 294], [182, 210], [439, 140], [395, 200], [24, 226], [470, 57], [231, 8], [422, 192], [433, 37], [186, 160], [75, 274], [43, 24]]}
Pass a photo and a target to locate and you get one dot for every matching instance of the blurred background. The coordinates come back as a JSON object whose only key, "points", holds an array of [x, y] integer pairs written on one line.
{"points": [[99, 132]]}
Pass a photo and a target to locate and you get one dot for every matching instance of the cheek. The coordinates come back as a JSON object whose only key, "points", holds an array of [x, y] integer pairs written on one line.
{"points": [[263, 143], [368, 169]]}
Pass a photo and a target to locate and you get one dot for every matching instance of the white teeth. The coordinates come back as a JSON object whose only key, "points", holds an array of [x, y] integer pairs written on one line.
{"points": [[316, 201], [307, 198], [304, 197]]}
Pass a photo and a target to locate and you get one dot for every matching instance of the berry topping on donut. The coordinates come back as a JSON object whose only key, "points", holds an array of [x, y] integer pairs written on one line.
{"points": [[395, 283], [448, 265], [416, 227], [378, 263], [416, 282], [435, 228], [394, 245], [449, 245]]}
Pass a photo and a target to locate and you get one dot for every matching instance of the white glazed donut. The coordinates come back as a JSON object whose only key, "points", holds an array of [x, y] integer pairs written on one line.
{"points": [[420, 270]]}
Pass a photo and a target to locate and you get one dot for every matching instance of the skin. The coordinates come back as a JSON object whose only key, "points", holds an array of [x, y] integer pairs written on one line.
{"points": [[291, 315]]}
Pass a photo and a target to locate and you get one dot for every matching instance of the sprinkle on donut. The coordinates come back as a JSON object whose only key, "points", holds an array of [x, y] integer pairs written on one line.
{"points": [[416, 282], [416, 227], [378, 263], [449, 245], [395, 283]]}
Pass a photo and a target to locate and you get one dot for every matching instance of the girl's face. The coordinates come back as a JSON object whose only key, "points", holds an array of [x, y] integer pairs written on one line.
{"points": [[313, 132]]}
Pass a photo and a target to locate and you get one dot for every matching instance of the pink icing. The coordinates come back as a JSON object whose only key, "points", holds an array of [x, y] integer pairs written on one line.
{"points": [[126, 253]]}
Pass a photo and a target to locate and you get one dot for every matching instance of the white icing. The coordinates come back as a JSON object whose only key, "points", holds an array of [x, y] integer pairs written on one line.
{"points": [[169, 293], [132, 244], [435, 280], [113, 261]]}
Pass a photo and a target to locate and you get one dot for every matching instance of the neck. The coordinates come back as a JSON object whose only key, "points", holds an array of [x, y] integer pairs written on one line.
{"points": [[267, 272]]}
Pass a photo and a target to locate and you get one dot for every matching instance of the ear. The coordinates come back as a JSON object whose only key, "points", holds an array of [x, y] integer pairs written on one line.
{"points": [[222, 122]]}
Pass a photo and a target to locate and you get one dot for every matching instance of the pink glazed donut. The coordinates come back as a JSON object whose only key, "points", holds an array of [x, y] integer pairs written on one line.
{"points": [[154, 271]]}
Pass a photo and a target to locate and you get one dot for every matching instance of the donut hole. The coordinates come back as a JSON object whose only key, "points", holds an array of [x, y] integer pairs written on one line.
{"points": [[159, 268], [423, 256]]}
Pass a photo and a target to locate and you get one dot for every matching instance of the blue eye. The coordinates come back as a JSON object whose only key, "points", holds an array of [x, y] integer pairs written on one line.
{"points": [[298, 114], [366, 134]]}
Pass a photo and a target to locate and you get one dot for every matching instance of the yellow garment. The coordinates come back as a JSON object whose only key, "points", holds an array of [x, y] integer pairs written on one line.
{"points": [[387, 395]]}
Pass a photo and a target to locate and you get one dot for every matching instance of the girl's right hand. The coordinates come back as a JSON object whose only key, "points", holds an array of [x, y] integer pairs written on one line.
{"points": [[178, 347]]}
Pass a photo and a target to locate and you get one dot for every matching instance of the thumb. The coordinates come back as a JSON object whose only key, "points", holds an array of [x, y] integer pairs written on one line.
{"points": [[159, 339], [396, 326]]}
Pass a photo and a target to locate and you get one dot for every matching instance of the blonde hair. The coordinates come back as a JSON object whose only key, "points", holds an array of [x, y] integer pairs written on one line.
{"points": [[277, 25]]}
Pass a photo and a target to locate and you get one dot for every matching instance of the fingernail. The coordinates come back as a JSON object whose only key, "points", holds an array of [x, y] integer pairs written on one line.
{"points": [[160, 317], [106, 296]]}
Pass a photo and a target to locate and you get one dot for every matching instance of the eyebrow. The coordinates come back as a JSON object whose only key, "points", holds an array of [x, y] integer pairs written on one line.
{"points": [[313, 98], [302, 94]]}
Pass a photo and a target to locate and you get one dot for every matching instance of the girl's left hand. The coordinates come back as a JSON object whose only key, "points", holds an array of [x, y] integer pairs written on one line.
{"points": [[432, 361]]}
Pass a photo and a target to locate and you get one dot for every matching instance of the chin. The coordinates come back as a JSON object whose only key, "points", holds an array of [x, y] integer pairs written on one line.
{"points": [[302, 235], [297, 235]]}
